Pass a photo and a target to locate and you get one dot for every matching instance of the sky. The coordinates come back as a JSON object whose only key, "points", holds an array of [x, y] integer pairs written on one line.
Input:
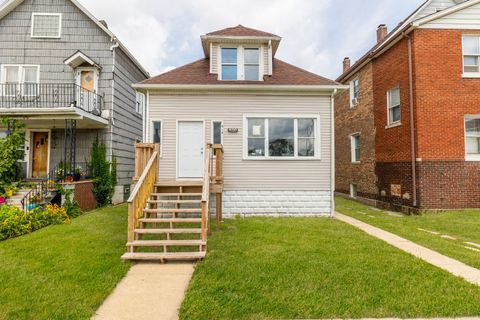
{"points": [[316, 34]]}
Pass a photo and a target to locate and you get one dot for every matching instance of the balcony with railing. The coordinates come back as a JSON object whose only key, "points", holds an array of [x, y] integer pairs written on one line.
{"points": [[48, 96]]}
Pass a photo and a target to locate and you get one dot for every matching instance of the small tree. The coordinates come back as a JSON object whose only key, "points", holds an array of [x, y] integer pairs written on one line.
{"points": [[10, 150], [104, 174]]}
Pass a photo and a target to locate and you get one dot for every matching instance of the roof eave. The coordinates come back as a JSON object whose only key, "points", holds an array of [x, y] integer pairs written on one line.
{"points": [[207, 39]]}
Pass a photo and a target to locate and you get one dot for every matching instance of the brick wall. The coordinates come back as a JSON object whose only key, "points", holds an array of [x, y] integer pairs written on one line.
{"points": [[443, 97], [395, 182], [359, 119], [390, 70]]}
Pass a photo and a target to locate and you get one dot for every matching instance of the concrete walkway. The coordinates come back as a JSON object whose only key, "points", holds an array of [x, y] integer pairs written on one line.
{"points": [[148, 291], [453, 266]]}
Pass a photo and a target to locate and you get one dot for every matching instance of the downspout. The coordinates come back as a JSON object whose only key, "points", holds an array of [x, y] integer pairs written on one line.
{"points": [[412, 120], [332, 154], [115, 45]]}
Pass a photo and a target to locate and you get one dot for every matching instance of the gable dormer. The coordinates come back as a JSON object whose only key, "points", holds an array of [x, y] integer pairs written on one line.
{"points": [[240, 53]]}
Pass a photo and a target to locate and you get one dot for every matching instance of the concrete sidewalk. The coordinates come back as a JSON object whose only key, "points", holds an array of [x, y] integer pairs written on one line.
{"points": [[148, 291], [453, 266]]}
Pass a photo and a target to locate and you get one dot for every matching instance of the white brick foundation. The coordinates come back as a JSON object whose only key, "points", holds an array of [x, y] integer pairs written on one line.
{"points": [[276, 203]]}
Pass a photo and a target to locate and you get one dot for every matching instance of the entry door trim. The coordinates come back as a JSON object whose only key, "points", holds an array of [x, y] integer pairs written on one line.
{"points": [[29, 153], [177, 129]]}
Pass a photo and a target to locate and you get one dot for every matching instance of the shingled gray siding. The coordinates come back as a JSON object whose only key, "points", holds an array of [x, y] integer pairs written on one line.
{"points": [[118, 72]]}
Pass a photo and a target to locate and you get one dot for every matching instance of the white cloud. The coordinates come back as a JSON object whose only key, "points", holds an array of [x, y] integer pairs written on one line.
{"points": [[316, 34]]}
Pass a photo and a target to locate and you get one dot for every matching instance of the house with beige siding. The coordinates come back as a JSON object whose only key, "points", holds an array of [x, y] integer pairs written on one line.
{"points": [[271, 123]]}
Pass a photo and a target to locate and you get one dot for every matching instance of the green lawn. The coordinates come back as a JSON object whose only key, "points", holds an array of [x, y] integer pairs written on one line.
{"points": [[265, 268], [462, 225], [65, 271]]}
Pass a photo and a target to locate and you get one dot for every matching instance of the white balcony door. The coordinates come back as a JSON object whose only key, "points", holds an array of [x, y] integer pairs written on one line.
{"points": [[190, 149]]}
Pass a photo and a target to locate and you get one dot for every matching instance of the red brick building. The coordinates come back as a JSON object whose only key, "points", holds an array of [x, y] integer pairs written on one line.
{"points": [[408, 132]]}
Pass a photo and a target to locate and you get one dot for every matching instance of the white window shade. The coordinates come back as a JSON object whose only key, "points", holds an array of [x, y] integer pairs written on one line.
{"points": [[46, 25], [12, 74]]}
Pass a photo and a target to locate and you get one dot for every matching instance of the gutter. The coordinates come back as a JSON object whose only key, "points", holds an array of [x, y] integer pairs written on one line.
{"points": [[242, 87], [412, 120]]}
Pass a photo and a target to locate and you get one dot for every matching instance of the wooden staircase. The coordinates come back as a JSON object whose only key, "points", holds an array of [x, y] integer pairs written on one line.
{"points": [[170, 220]]}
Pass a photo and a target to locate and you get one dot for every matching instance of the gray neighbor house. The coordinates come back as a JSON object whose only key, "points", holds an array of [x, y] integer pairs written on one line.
{"points": [[68, 78]]}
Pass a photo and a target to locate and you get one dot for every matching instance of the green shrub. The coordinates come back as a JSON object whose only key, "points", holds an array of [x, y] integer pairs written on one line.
{"points": [[15, 222], [104, 174], [9, 151], [71, 207]]}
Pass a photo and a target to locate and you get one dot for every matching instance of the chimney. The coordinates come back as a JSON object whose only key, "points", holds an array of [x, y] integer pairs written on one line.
{"points": [[104, 23], [382, 32], [346, 64]]}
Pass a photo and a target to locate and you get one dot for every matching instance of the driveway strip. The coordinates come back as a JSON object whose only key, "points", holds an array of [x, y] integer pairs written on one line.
{"points": [[453, 266]]}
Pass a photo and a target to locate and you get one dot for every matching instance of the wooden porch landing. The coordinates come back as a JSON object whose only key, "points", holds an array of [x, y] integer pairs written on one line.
{"points": [[170, 219]]}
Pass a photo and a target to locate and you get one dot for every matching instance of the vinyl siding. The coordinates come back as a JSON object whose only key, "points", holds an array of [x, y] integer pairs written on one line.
{"points": [[468, 18], [127, 127], [246, 174], [434, 6], [79, 32], [214, 58]]}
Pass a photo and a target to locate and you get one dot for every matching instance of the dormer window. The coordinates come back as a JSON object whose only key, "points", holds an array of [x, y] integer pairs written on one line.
{"points": [[240, 63], [229, 64], [252, 64]]}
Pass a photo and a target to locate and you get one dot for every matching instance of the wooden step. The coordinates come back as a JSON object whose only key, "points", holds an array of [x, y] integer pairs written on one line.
{"points": [[175, 201], [161, 243], [189, 194], [162, 231], [149, 256], [172, 210], [180, 183], [166, 220]]}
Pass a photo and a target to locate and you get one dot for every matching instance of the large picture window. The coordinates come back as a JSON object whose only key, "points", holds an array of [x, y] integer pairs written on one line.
{"points": [[281, 137]]}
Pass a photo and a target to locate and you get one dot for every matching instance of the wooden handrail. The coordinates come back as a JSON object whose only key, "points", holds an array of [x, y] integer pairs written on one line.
{"points": [[206, 191], [141, 192]]}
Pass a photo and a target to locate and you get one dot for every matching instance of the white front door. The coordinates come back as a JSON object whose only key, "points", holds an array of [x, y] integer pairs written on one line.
{"points": [[190, 149]]}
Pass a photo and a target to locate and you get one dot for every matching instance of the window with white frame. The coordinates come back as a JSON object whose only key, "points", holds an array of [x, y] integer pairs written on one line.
{"points": [[281, 137], [217, 132], [46, 25], [229, 63], [156, 131], [471, 54], [20, 79], [394, 111], [472, 138], [252, 64], [355, 147], [240, 63], [354, 92], [139, 102]]}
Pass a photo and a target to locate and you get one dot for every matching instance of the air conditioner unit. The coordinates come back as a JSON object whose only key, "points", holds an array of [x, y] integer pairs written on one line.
{"points": [[354, 101]]}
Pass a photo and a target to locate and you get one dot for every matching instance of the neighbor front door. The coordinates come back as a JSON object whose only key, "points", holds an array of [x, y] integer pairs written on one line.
{"points": [[39, 154], [190, 149]]}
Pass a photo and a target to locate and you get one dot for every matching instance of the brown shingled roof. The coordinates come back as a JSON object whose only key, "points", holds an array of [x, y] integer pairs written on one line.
{"points": [[241, 31], [198, 72]]}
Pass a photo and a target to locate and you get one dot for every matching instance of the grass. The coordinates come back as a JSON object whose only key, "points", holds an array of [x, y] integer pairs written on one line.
{"points": [[264, 268], [63, 272], [463, 225]]}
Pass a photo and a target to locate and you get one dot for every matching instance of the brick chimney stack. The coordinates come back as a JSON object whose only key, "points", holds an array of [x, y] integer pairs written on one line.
{"points": [[382, 32], [346, 64]]}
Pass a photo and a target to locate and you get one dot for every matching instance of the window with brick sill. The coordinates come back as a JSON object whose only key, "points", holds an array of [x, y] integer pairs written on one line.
{"points": [[354, 92], [471, 55], [472, 139]]}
